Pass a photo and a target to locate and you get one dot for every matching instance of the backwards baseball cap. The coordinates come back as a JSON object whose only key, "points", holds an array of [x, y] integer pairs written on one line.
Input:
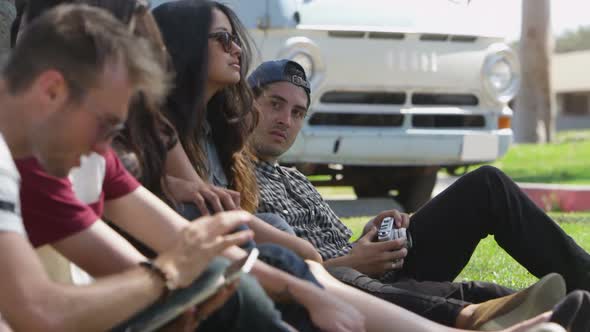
{"points": [[280, 71]]}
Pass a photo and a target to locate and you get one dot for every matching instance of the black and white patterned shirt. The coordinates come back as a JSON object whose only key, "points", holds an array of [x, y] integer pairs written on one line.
{"points": [[288, 193]]}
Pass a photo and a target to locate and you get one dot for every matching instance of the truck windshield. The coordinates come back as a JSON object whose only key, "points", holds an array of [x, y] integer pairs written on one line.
{"points": [[436, 16]]}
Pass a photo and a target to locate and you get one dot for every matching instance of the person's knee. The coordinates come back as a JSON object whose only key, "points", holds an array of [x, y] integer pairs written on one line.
{"points": [[487, 171], [486, 175], [286, 260], [280, 257]]}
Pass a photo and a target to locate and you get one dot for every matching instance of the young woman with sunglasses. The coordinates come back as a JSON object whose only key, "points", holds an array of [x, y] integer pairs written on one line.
{"points": [[213, 124], [213, 132]]}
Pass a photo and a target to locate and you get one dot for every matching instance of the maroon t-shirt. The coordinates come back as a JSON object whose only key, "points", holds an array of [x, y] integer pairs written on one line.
{"points": [[55, 208]]}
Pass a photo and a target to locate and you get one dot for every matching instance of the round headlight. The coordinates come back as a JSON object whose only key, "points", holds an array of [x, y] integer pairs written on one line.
{"points": [[306, 62], [501, 77], [306, 53]]}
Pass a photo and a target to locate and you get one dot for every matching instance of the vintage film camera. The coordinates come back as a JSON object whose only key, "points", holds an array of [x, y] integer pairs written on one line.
{"points": [[388, 231]]}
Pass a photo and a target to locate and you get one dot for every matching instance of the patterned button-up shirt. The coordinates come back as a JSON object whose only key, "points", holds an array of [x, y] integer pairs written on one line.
{"points": [[288, 193]]}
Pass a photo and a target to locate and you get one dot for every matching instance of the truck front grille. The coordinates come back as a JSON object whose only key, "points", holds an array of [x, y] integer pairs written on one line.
{"points": [[444, 99], [365, 119], [448, 121], [371, 98], [399, 98], [425, 37], [356, 119], [397, 120]]}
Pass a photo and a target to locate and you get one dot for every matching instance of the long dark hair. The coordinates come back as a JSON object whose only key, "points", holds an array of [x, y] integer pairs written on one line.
{"points": [[229, 112], [184, 25], [233, 118], [148, 135]]}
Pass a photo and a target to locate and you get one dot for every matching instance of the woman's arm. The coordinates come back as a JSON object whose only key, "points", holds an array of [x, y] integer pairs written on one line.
{"points": [[178, 164], [195, 189]]}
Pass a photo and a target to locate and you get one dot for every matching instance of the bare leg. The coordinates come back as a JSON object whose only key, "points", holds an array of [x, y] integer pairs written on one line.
{"points": [[383, 316], [3, 326]]}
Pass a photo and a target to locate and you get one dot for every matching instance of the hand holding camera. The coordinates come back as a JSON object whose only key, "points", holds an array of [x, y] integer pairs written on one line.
{"points": [[388, 231], [381, 248]]}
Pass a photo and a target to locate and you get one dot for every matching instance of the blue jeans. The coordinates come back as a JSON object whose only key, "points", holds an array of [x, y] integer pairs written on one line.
{"points": [[286, 260], [276, 221], [280, 258]]}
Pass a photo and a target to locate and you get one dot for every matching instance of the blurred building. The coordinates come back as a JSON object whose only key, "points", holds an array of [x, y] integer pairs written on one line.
{"points": [[571, 83], [7, 14]]}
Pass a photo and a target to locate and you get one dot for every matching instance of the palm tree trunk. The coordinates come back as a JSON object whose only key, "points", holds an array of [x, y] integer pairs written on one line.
{"points": [[534, 118]]}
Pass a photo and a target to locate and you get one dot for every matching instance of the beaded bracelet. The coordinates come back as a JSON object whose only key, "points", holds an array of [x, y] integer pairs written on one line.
{"points": [[165, 277]]}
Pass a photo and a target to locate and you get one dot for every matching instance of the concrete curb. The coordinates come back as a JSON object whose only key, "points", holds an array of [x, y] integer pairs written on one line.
{"points": [[548, 196], [567, 198]]}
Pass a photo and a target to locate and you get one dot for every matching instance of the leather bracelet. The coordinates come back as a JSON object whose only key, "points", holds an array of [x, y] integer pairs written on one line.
{"points": [[168, 285]]}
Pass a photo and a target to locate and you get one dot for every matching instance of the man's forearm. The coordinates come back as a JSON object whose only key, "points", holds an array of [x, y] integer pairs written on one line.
{"points": [[32, 302], [147, 218], [109, 301], [345, 260]]}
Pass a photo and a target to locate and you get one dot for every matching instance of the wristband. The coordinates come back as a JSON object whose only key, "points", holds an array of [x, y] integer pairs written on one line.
{"points": [[165, 277]]}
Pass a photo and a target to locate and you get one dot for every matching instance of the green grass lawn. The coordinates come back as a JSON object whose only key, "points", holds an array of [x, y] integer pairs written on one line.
{"points": [[491, 263], [565, 161]]}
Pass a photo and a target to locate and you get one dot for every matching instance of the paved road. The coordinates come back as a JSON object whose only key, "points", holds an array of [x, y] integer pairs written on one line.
{"points": [[350, 206], [567, 198]]}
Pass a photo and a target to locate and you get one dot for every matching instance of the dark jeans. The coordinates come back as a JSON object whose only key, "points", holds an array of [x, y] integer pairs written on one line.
{"points": [[447, 230], [485, 202], [278, 257], [438, 301]]}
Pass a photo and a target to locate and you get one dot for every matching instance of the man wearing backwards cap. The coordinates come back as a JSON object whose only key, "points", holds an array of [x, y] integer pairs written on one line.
{"points": [[445, 231]]}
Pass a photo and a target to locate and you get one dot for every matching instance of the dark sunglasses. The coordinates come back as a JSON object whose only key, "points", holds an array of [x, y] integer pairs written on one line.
{"points": [[226, 38]]}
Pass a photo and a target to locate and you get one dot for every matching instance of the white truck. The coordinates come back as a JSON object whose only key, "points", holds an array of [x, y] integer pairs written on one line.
{"points": [[399, 89]]}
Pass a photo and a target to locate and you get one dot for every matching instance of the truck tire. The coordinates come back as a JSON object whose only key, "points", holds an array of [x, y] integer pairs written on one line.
{"points": [[372, 189], [413, 189], [415, 192]]}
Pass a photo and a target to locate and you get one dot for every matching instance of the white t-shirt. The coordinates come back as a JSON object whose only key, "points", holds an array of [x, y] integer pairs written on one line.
{"points": [[10, 215]]}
